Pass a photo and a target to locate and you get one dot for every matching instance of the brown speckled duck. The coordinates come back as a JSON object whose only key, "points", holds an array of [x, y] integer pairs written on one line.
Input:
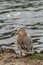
{"points": [[24, 43]]}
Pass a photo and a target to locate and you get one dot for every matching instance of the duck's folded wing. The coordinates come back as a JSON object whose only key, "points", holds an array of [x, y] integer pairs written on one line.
{"points": [[28, 45]]}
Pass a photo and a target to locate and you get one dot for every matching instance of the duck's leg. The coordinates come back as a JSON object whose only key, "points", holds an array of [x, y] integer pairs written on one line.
{"points": [[32, 50], [21, 53]]}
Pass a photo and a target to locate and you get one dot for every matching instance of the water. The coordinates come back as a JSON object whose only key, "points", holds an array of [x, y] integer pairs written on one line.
{"points": [[15, 14]]}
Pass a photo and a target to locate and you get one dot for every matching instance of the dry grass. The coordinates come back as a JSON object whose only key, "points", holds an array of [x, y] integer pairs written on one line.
{"points": [[10, 58]]}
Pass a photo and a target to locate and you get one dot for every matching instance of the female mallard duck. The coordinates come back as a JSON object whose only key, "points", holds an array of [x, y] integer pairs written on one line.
{"points": [[24, 42]]}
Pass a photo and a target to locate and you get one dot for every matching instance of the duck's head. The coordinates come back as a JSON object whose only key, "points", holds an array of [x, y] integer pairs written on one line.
{"points": [[21, 32]]}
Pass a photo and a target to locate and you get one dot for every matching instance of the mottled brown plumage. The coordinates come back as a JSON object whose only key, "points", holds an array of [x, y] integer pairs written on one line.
{"points": [[24, 42]]}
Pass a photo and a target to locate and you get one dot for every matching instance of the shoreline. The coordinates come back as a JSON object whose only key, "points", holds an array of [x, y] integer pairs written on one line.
{"points": [[9, 57]]}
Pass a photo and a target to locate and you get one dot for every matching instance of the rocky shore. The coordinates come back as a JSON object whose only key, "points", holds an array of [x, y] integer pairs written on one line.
{"points": [[9, 57]]}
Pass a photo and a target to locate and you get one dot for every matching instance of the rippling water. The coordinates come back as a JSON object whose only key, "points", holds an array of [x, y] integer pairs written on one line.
{"points": [[15, 14]]}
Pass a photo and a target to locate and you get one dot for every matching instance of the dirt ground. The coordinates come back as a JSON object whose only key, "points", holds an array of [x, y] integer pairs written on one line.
{"points": [[9, 58]]}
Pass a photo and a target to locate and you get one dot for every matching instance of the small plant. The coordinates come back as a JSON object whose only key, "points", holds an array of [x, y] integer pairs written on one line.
{"points": [[36, 56]]}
